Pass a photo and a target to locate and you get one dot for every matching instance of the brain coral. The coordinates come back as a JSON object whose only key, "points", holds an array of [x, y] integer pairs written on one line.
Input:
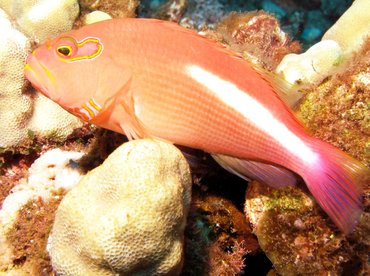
{"points": [[126, 216]]}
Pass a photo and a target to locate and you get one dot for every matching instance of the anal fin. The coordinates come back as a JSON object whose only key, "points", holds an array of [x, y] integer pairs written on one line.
{"points": [[274, 176]]}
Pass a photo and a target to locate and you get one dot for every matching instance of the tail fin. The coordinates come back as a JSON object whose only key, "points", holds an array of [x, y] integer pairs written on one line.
{"points": [[336, 180]]}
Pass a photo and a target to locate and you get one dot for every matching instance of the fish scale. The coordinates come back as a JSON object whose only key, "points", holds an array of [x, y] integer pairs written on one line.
{"points": [[155, 78]]}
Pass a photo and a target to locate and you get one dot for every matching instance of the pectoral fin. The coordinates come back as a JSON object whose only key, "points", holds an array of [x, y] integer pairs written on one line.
{"points": [[274, 176], [130, 124]]}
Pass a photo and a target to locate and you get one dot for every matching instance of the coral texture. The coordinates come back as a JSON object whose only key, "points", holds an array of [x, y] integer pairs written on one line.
{"points": [[122, 8], [337, 110], [352, 28], [126, 216], [49, 173], [297, 237], [257, 36], [313, 66], [42, 19], [95, 16], [22, 109], [15, 107]]}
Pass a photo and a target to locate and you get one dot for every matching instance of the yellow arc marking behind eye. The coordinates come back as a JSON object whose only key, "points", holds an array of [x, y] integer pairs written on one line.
{"points": [[80, 44]]}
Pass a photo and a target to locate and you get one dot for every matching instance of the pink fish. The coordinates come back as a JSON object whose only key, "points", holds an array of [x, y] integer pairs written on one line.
{"points": [[149, 78]]}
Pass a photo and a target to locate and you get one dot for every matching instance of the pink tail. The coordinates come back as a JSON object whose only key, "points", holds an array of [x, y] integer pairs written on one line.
{"points": [[336, 181]]}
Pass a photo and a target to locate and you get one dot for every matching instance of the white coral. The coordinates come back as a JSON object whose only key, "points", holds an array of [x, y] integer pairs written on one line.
{"points": [[126, 216], [318, 62], [41, 19], [15, 107], [352, 28], [21, 112]]}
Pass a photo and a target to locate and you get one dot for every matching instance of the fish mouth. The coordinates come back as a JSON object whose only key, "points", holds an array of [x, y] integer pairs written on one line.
{"points": [[39, 75]]}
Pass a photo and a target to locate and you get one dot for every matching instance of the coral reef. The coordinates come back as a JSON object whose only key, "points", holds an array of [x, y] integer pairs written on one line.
{"points": [[298, 238], [313, 66], [138, 200], [257, 36], [337, 110], [218, 237], [331, 54], [352, 28], [14, 47], [172, 10], [95, 16], [122, 8], [50, 173], [23, 111], [42, 19], [292, 231], [203, 13]]}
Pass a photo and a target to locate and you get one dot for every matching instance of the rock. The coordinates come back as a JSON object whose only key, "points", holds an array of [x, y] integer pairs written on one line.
{"points": [[294, 233], [126, 216]]}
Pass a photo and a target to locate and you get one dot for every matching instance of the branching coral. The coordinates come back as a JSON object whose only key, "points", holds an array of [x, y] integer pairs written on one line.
{"points": [[126, 216]]}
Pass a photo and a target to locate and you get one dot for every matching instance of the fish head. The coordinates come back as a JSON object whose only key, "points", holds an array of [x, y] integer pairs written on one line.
{"points": [[65, 70]]}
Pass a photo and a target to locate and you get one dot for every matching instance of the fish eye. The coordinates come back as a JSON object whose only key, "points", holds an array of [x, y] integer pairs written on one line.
{"points": [[64, 50]]}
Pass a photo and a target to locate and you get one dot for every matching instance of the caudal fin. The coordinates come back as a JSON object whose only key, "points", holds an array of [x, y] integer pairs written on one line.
{"points": [[336, 180]]}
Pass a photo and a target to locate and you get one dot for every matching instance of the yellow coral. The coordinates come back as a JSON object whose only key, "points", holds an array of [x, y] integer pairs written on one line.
{"points": [[127, 216]]}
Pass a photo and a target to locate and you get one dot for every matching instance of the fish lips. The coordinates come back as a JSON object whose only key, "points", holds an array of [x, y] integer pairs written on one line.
{"points": [[39, 76]]}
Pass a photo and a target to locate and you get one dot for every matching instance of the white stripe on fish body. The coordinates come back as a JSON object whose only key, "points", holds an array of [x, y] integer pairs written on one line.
{"points": [[93, 106], [90, 109], [253, 111]]}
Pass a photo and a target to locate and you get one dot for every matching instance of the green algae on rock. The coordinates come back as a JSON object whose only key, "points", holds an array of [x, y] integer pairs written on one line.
{"points": [[298, 237], [338, 109]]}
